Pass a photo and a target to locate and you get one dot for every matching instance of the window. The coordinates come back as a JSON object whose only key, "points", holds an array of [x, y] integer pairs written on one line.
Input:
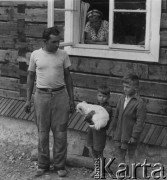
{"points": [[133, 34]]}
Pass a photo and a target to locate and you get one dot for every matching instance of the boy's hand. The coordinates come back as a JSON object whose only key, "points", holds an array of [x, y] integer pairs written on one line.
{"points": [[132, 140]]}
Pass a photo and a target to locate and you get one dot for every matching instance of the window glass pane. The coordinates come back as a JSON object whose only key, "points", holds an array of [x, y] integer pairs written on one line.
{"points": [[129, 28], [130, 4], [59, 16]]}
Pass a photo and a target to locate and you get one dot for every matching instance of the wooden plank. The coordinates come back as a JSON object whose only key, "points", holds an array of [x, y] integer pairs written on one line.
{"points": [[9, 83], [79, 123], [163, 20], [158, 72], [163, 56], [155, 135], [20, 111], [163, 39], [27, 115], [32, 3], [14, 108], [164, 141], [17, 110], [8, 28], [9, 70], [72, 117], [31, 117], [36, 30], [164, 6], [4, 105], [85, 127], [7, 107], [11, 107], [74, 121], [149, 134], [22, 114], [9, 94], [7, 42], [144, 132], [8, 56], [108, 67], [161, 137], [156, 119], [147, 88], [3, 102], [81, 126], [40, 15]]}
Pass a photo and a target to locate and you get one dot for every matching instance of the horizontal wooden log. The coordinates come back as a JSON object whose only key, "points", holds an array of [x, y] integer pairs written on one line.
{"points": [[147, 88], [36, 30], [108, 67], [8, 28], [10, 70], [32, 3], [30, 14], [158, 72], [40, 15], [9, 94], [163, 39], [163, 20], [8, 56], [163, 56], [10, 14], [9, 83], [7, 42]]}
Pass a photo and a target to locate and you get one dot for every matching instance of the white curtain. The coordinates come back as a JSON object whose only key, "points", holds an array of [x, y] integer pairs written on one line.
{"points": [[84, 9]]}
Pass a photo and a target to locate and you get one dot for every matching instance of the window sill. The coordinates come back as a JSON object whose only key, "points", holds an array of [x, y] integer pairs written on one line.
{"points": [[103, 51]]}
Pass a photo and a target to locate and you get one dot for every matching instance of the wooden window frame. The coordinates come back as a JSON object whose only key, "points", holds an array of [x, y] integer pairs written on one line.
{"points": [[112, 51]]}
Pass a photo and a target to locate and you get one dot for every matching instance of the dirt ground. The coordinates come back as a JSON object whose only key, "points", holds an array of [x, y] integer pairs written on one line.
{"points": [[16, 164]]}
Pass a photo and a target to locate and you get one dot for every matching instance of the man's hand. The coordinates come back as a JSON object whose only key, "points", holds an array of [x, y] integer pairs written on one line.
{"points": [[132, 140], [72, 106], [27, 107]]}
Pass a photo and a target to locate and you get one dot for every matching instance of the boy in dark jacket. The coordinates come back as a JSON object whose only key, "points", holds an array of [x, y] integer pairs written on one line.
{"points": [[96, 139], [129, 119]]}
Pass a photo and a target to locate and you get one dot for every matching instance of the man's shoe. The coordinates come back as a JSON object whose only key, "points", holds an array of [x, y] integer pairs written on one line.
{"points": [[62, 173], [41, 172]]}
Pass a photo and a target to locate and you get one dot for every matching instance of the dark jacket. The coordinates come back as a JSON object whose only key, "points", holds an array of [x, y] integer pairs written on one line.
{"points": [[129, 122]]}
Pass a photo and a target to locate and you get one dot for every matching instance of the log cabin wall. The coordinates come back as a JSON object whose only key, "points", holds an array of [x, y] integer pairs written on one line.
{"points": [[21, 27]]}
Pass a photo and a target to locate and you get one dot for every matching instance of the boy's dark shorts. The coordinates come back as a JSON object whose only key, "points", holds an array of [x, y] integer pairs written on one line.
{"points": [[96, 139]]}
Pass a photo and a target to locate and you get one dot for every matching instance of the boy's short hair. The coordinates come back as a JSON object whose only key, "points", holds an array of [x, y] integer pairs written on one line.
{"points": [[48, 31], [104, 90], [131, 78]]}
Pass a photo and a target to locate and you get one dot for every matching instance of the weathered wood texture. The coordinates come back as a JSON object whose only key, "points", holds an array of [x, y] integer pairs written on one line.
{"points": [[21, 27]]}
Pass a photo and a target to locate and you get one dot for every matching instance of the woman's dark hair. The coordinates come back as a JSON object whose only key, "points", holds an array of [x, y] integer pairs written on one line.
{"points": [[52, 30]]}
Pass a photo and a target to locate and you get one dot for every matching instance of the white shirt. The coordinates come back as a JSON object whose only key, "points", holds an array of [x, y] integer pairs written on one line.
{"points": [[127, 99], [49, 67]]}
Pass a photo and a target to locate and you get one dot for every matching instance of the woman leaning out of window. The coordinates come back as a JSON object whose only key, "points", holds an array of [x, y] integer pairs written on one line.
{"points": [[96, 29]]}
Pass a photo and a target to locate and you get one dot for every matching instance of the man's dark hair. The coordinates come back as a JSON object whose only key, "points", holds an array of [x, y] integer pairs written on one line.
{"points": [[104, 90], [131, 78], [47, 32]]}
